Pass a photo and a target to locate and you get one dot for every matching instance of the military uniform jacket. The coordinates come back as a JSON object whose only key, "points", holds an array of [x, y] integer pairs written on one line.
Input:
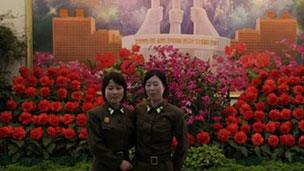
{"points": [[155, 128], [110, 132]]}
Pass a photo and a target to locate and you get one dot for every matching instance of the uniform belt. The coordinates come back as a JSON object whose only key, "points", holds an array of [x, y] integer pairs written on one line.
{"points": [[153, 160]]}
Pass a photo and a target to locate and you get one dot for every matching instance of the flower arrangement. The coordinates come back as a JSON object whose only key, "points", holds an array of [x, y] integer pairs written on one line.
{"points": [[46, 113], [267, 120]]}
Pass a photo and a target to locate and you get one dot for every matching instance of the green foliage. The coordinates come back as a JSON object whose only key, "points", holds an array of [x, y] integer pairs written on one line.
{"points": [[204, 157]]}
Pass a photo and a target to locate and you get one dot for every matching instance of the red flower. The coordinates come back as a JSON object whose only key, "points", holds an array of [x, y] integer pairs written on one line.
{"points": [[240, 137], [67, 119], [258, 127], [301, 125], [83, 134], [62, 93], [284, 99], [24, 71], [272, 99], [37, 72], [233, 128], [191, 139], [54, 120], [6, 117], [241, 47], [44, 105], [138, 59], [52, 71], [260, 106], [45, 81], [248, 115], [76, 95], [262, 60], [217, 126], [299, 99], [124, 53], [87, 106], [203, 137], [99, 101], [105, 61], [36, 133], [245, 128], [11, 104], [135, 48], [286, 127], [275, 73], [274, 115], [287, 140], [223, 135], [283, 87], [62, 81], [63, 71], [259, 115], [18, 133], [28, 106], [294, 80], [128, 67], [257, 139], [285, 114], [51, 132], [44, 91], [18, 88], [5, 132], [69, 133], [19, 80], [301, 141], [273, 141], [70, 106], [251, 93], [229, 111], [56, 106], [74, 75], [41, 119], [298, 89], [298, 113], [25, 118], [32, 81], [271, 127], [283, 80], [81, 120], [75, 85], [245, 108], [31, 91]]}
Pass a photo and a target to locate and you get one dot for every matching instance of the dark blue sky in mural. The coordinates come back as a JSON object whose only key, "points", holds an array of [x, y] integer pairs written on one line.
{"points": [[127, 15]]}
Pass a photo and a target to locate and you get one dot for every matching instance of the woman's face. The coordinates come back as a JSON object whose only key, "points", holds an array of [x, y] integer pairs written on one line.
{"points": [[154, 88], [114, 93]]}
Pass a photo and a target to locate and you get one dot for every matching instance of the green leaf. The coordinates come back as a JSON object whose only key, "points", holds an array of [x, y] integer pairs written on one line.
{"points": [[233, 144], [297, 149], [45, 154], [257, 151], [46, 141], [288, 155], [12, 149], [265, 148], [277, 152], [244, 151], [51, 148], [16, 156]]}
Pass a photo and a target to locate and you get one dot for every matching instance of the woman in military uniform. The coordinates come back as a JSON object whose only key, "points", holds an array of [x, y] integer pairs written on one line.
{"points": [[157, 122], [110, 127]]}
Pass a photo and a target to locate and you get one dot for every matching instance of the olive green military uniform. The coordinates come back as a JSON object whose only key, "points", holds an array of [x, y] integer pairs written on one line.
{"points": [[110, 135], [155, 128]]}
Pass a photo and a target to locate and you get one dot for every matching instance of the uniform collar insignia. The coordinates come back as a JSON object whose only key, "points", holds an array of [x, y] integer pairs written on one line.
{"points": [[158, 109], [111, 110]]}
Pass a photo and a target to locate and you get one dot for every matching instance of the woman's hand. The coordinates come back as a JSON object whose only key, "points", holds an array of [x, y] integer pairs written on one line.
{"points": [[125, 165]]}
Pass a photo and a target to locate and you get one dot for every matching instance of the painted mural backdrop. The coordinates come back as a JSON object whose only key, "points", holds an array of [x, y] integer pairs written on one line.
{"points": [[127, 15]]}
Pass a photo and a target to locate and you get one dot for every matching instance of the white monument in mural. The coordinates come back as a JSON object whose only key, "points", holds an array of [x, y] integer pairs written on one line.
{"points": [[203, 43]]}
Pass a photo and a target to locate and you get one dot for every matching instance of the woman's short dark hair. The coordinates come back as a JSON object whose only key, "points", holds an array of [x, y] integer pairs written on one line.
{"points": [[161, 75], [118, 78]]}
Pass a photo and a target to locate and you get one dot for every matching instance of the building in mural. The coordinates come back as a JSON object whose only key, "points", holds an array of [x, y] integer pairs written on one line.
{"points": [[268, 33], [76, 37], [203, 43]]}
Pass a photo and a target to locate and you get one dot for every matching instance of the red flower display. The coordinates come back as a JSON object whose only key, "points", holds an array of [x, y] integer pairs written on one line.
{"points": [[36, 133]]}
